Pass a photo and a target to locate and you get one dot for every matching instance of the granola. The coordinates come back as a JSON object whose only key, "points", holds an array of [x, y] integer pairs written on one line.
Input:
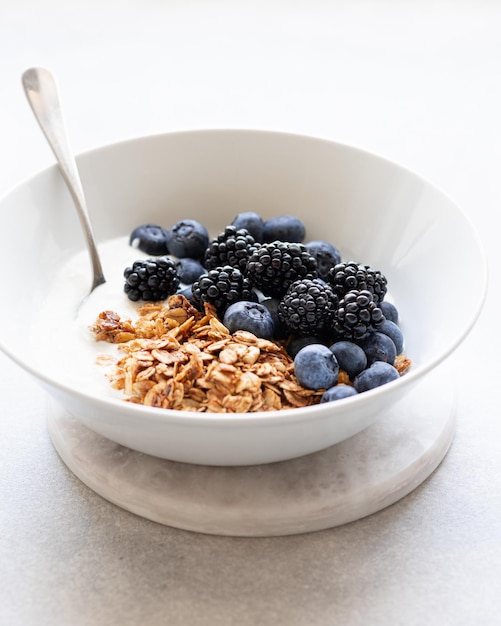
{"points": [[176, 357]]}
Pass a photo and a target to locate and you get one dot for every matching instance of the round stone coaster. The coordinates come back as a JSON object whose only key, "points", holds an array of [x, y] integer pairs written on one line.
{"points": [[343, 483]]}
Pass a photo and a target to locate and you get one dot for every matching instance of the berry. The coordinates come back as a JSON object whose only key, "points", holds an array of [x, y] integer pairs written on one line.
{"points": [[379, 347], [272, 267], [231, 247], [284, 228], [300, 342], [394, 333], [189, 270], [351, 358], [250, 316], [316, 367], [345, 277], [357, 316], [188, 238], [252, 222], [307, 307], [149, 238], [222, 286], [151, 280], [338, 392], [390, 311], [379, 373], [272, 305], [187, 292], [326, 256]]}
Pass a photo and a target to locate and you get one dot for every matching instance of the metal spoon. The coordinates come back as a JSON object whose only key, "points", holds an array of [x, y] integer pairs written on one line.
{"points": [[41, 91]]}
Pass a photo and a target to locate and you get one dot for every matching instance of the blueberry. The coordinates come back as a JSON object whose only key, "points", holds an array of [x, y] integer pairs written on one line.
{"points": [[284, 228], [326, 255], [379, 373], [149, 238], [390, 311], [300, 342], [379, 347], [188, 238], [250, 316], [189, 270], [187, 293], [252, 222], [272, 305], [316, 367], [351, 358], [394, 333], [338, 392]]}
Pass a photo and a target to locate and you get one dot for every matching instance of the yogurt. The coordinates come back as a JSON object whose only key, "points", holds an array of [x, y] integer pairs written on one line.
{"points": [[63, 344]]}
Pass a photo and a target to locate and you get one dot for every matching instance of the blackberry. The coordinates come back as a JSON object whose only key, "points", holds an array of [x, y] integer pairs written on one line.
{"points": [[151, 279], [345, 277], [357, 315], [231, 247], [274, 266], [221, 287], [308, 307]]}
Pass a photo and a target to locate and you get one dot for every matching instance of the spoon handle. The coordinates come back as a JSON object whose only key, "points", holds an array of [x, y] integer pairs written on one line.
{"points": [[41, 91]]}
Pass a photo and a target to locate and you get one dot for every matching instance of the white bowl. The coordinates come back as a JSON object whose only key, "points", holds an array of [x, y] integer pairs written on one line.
{"points": [[374, 211]]}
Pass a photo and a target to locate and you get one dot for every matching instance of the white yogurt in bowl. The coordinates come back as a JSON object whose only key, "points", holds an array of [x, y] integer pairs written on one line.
{"points": [[63, 342]]}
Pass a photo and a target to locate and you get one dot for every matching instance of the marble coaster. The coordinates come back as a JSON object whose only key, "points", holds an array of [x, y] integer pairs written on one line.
{"points": [[343, 483]]}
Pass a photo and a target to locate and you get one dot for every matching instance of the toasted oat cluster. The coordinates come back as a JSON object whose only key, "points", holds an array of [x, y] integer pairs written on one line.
{"points": [[177, 357]]}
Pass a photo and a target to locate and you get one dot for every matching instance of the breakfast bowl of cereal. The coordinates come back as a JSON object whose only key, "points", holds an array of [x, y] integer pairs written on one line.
{"points": [[267, 295]]}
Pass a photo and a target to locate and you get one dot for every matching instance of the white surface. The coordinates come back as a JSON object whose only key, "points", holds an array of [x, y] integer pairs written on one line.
{"points": [[341, 484], [415, 82], [372, 210]]}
